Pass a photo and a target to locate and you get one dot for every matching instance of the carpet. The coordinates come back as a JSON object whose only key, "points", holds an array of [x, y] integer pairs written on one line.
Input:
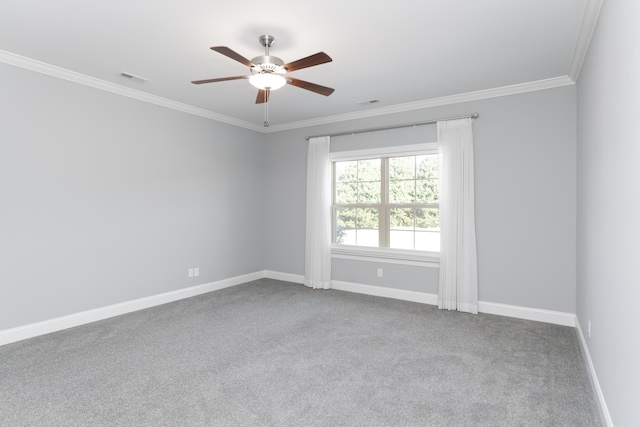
{"points": [[273, 353]]}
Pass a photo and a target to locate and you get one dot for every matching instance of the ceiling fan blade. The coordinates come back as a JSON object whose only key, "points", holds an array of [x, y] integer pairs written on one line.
{"points": [[232, 54], [309, 61], [322, 90], [222, 79], [263, 96]]}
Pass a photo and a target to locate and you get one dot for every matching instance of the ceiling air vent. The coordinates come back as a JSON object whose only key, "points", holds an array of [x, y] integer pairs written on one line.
{"points": [[134, 77], [371, 101]]}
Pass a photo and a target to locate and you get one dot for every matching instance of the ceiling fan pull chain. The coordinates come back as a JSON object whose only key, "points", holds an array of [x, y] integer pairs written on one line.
{"points": [[266, 110]]}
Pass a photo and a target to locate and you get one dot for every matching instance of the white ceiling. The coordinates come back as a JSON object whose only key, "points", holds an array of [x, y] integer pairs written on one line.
{"points": [[401, 52]]}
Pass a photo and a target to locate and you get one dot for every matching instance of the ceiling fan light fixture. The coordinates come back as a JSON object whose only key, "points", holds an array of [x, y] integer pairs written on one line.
{"points": [[267, 81], [268, 72]]}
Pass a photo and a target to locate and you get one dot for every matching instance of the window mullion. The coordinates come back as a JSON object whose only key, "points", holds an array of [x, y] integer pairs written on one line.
{"points": [[334, 225], [384, 198]]}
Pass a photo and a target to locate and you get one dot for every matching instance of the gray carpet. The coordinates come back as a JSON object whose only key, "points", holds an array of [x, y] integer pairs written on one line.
{"points": [[278, 354]]}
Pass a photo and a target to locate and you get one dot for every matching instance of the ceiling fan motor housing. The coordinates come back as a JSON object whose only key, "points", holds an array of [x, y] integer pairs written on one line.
{"points": [[267, 64]]}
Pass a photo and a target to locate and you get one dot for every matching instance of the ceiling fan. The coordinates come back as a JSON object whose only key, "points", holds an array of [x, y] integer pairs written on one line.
{"points": [[269, 73]]}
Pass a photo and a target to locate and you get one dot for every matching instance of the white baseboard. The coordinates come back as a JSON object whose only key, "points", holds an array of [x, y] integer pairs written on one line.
{"points": [[604, 410], [539, 315], [528, 313], [77, 319], [380, 291], [20, 333], [286, 277]]}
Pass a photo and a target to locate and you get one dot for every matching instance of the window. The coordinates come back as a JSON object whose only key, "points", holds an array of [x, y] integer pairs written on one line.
{"points": [[387, 201]]}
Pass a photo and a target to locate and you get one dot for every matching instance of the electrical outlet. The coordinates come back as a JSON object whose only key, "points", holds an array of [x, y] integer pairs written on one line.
{"points": [[196, 271], [589, 328], [379, 272], [190, 272]]}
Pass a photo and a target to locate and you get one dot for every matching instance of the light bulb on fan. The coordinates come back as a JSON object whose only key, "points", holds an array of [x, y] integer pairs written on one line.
{"points": [[267, 81]]}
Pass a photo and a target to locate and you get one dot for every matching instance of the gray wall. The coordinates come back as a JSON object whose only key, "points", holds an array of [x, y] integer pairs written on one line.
{"points": [[525, 148], [106, 199], [608, 276]]}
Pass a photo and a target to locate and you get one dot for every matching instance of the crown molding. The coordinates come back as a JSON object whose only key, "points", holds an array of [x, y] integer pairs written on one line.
{"points": [[51, 70], [430, 103], [587, 28], [62, 73]]}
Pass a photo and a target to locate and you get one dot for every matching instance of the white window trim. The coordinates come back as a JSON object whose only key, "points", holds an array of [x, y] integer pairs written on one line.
{"points": [[387, 255]]}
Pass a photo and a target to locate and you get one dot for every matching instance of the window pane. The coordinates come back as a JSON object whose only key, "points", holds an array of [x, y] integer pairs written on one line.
{"points": [[401, 239], [401, 219], [367, 218], [402, 168], [427, 191], [346, 226], [417, 229], [369, 170], [368, 192], [401, 234], [428, 241], [402, 191], [427, 219], [367, 226], [357, 226], [346, 171], [427, 166], [346, 192]]}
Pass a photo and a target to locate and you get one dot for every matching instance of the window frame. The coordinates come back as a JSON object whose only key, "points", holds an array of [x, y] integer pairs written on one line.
{"points": [[381, 254]]}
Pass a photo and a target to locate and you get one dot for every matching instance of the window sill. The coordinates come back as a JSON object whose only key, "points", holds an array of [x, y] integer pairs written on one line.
{"points": [[392, 256]]}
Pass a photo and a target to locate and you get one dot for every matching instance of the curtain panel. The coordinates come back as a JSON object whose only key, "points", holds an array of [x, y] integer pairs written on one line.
{"points": [[458, 284], [317, 263]]}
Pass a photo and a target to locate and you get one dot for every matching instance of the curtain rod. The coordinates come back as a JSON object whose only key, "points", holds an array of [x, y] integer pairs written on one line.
{"points": [[406, 125]]}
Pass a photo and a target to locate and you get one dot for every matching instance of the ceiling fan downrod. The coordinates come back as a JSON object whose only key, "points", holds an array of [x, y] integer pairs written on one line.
{"points": [[266, 40]]}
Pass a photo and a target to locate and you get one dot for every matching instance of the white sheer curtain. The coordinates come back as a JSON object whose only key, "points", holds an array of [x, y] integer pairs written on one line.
{"points": [[317, 257], [458, 287]]}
